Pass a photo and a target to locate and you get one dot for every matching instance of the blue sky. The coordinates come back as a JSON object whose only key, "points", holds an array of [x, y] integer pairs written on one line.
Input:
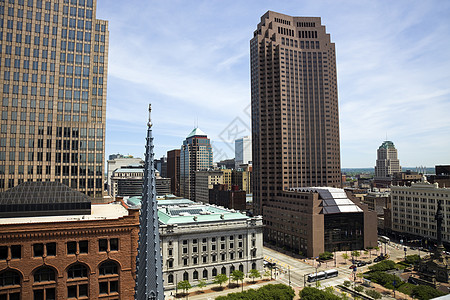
{"points": [[190, 59]]}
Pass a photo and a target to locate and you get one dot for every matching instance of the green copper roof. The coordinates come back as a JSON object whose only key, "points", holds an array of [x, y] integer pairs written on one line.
{"points": [[196, 132], [387, 145]]}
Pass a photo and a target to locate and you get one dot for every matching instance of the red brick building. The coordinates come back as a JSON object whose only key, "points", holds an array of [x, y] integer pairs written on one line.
{"points": [[79, 256]]}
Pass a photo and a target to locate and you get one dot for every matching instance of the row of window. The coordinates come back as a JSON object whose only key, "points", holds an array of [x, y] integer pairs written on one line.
{"points": [[76, 132], [49, 249], [77, 287], [79, 184]]}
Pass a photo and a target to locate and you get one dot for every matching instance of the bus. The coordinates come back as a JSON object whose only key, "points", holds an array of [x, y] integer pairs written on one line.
{"points": [[322, 275], [384, 239]]}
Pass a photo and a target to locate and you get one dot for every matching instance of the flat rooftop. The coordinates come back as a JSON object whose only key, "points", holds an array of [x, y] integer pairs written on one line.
{"points": [[98, 212]]}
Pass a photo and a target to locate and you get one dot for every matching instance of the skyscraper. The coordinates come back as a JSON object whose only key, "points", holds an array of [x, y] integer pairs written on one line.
{"points": [[295, 119], [53, 89], [195, 155], [387, 164], [243, 151]]}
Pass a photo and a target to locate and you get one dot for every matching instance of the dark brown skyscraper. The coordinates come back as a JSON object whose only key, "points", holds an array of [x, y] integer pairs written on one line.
{"points": [[173, 170], [295, 120], [53, 74]]}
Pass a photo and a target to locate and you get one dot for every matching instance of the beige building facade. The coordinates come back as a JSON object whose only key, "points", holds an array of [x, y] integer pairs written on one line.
{"points": [[204, 181], [414, 209]]}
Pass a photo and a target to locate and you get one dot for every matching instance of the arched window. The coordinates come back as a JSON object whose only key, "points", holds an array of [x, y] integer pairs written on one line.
{"points": [[205, 274], [10, 282], [77, 271], [77, 281], [170, 278], [232, 269], [223, 271], [108, 280], [44, 286], [186, 276], [195, 275], [253, 266], [214, 272], [241, 268], [44, 274]]}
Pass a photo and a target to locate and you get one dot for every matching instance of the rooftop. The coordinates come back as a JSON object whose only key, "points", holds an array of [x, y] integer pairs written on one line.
{"points": [[387, 145], [185, 211], [334, 200], [113, 210], [196, 132]]}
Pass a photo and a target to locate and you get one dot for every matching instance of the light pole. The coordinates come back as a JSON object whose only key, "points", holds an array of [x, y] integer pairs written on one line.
{"points": [[289, 274]]}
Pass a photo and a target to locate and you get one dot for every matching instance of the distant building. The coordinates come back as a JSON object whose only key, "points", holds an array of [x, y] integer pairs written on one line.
{"points": [[242, 177], [161, 166], [127, 182], [227, 178], [226, 164], [204, 181], [414, 207], [232, 199], [196, 154], [117, 161], [442, 176], [387, 164], [173, 170], [406, 178], [68, 254], [243, 151], [379, 202]]}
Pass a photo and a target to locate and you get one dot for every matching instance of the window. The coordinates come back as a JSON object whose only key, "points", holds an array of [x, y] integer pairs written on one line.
{"points": [[40, 249], [12, 252], [44, 274], [74, 247], [77, 271], [10, 282]]}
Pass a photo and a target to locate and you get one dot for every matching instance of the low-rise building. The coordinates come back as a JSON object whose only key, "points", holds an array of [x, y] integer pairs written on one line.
{"points": [[233, 199], [116, 161], [199, 241], [62, 252], [414, 208], [204, 181]]}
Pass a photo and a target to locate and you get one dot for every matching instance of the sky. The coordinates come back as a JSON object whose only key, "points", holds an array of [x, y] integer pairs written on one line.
{"points": [[190, 60]]}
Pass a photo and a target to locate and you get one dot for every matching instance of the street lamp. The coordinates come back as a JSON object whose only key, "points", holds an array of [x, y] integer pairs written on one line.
{"points": [[289, 274]]}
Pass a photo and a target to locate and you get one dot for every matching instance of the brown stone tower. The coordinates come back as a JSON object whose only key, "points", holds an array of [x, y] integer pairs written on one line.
{"points": [[295, 119]]}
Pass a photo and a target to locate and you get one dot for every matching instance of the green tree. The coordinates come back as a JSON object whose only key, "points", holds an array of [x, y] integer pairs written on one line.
{"points": [[345, 257], [237, 276], [347, 283], [184, 285], [254, 274], [384, 265], [412, 259], [359, 288], [201, 284], [424, 292], [325, 255], [220, 279], [374, 294], [269, 291], [310, 293], [356, 254], [267, 273], [377, 249]]}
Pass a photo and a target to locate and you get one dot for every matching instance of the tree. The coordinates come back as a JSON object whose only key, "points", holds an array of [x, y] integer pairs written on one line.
{"points": [[326, 255], [184, 285], [220, 279], [254, 274], [356, 254], [359, 288], [377, 249], [384, 265], [310, 293], [374, 294], [345, 257], [269, 291], [365, 253], [412, 259], [201, 284], [267, 273], [424, 292], [360, 275], [237, 276]]}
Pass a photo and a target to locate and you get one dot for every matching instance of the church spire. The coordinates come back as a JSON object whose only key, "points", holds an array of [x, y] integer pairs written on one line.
{"points": [[149, 280]]}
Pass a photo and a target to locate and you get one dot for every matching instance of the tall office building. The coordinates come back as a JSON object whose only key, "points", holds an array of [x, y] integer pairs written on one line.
{"points": [[53, 88], [195, 155], [243, 151], [387, 164], [295, 119]]}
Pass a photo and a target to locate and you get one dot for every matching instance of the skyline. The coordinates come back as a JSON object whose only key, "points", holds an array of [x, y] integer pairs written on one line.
{"points": [[192, 64]]}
